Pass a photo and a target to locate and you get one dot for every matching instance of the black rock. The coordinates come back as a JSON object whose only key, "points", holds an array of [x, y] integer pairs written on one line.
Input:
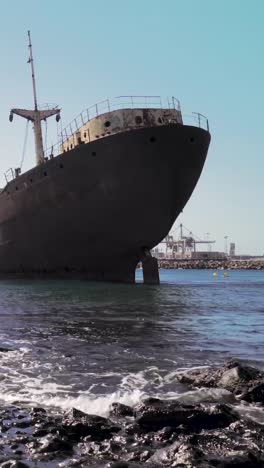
{"points": [[54, 443], [13, 464], [157, 417], [246, 460], [78, 425], [38, 409], [50, 443], [151, 401], [211, 418], [118, 409], [254, 394], [119, 464], [233, 376], [180, 454], [23, 423], [5, 350], [165, 434], [173, 415]]}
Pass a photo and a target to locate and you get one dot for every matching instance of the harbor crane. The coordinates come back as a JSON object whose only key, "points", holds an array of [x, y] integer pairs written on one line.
{"points": [[185, 244]]}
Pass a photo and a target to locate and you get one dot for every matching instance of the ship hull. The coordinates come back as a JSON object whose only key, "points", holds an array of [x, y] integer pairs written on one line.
{"points": [[92, 211]]}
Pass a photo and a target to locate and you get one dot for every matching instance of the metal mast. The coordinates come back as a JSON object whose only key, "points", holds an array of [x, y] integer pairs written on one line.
{"points": [[31, 61], [36, 115]]}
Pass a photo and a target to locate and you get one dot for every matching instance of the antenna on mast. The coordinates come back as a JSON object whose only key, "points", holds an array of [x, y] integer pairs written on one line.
{"points": [[36, 115], [31, 61]]}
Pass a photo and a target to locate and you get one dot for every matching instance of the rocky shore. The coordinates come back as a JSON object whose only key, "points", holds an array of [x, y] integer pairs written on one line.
{"points": [[157, 433], [212, 264]]}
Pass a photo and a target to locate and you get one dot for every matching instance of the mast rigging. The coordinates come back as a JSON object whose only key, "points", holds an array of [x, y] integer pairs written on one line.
{"points": [[36, 115]]}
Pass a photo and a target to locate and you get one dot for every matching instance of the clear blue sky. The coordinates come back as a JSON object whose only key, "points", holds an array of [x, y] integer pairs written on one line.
{"points": [[208, 53]]}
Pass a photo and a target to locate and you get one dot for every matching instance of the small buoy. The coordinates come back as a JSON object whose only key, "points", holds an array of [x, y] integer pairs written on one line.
{"points": [[226, 274], [215, 274]]}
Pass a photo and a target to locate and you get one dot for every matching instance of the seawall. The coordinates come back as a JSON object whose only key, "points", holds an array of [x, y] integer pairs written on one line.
{"points": [[212, 264]]}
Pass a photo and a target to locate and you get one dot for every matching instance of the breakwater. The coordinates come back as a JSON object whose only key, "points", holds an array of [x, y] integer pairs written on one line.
{"points": [[211, 264]]}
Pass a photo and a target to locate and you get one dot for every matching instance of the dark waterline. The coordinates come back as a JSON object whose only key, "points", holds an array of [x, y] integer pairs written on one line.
{"points": [[86, 344]]}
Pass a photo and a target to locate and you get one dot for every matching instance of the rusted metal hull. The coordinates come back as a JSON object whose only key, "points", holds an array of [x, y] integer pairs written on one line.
{"points": [[91, 211]]}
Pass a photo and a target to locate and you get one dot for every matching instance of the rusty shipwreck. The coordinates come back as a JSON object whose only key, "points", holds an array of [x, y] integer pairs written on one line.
{"points": [[100, 200]]}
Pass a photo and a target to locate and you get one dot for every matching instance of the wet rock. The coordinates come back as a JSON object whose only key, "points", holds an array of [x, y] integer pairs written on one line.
{"points": [[158, 433], [78, 424], [41, 432], [205, 377], [139, 456], [174, 415], [254, 394], [23, 423], [13, 464], [151, 401], [120, 464], [246, 460], [237, 376], [5, 350], [217, 395], [157, 417], [233, 377], [38, 409], [132, 428], [178, 454], [219, 416], [124, 464], [53, 443], [118, 409], [165, 434]]}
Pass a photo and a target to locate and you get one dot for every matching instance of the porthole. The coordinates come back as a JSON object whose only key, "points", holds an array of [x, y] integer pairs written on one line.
{"points": [[93, 153], [16, 188], [138, 120], [152, 139], [45, 173], [61, 166], [107, 123], [192, 139], [30, 180]]}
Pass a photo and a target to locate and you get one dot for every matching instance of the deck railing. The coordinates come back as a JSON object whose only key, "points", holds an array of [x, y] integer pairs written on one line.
{"points": [[196, 119], [121, 102], [9, 175], [109, 105]]}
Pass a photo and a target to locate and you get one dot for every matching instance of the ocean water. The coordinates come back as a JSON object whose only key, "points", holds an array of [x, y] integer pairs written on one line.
{"points": [[86, 345]]}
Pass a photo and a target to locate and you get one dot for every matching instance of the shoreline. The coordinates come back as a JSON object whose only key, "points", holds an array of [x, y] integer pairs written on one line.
{"points": [[218, 429]]}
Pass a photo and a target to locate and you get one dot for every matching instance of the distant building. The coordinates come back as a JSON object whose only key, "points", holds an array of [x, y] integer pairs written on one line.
{"points": [[199, 255], [232, 249]]}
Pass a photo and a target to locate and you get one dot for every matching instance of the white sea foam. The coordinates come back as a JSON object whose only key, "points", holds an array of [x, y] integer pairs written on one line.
{"points": [[99, 405], [48, 384]]}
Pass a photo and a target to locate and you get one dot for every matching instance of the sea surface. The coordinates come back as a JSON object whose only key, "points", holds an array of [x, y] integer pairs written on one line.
{"points": [[86, 345]]}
